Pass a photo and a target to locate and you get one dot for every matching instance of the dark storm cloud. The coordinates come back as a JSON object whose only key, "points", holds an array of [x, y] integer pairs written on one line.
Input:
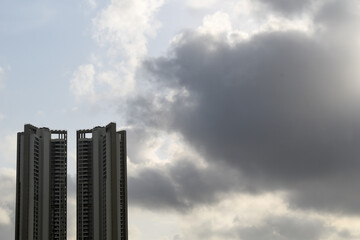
{"points": [[278, 108], [337, 193], [287, 7], [337, 12], [179, 186], [200, 184], [272, 106], [153, 189]]}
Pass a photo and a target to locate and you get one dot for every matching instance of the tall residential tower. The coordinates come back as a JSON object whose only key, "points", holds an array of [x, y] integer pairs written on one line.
{"points": [[101, 184], [41, 184]]}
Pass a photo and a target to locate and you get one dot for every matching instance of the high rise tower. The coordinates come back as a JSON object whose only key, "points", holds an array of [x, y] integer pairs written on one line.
{"points": [[41, 184], [101, 184]]}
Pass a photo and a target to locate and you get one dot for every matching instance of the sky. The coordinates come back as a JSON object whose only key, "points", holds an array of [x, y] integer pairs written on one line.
{"points": [[242, 117]]}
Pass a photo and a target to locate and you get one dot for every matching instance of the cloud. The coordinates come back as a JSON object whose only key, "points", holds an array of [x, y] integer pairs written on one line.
{"points": [[71, 217], [4, 217], [122, 28], [283, 227], [280, 108], [201, 4], [151, 142], [339, 19], [134, 232], [273, 111], [71, 207], [7, 202], [153, 190], [287, 7], [272, 227], [216, 23], [8, 148], [82, 81], [71, 185], [265, 216], [243, 216], [180, 185]]}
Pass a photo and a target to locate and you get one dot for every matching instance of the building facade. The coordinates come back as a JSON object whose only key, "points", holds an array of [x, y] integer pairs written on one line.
{"points": [[41, 184], [101, 184]]}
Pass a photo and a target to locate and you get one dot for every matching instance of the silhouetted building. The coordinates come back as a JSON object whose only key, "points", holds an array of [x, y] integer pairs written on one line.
{"points": [[41, 184], [101, 184]]}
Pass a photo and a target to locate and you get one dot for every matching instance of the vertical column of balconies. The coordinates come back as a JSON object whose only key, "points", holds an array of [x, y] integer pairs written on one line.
{"points": [[123, 186], [36, 179], [58, 178], [103, 188], [84, 187]]}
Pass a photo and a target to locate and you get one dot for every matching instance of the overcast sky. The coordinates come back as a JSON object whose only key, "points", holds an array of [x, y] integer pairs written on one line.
{"points": [[243, 116]]}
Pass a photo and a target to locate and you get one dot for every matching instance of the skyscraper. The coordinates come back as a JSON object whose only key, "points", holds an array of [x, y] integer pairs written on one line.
{"points": [[101, 184], [41, 184]]}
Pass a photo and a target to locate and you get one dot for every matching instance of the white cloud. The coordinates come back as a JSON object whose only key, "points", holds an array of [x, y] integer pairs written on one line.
{"points": [[134, 232], [125, 26], [8, 149], [242, 216], [71, 217], [240, 208], [246, 7], [277, 23], [152, 225], [7, 184], [72, 156], [7, 199], [199, 4], [4, 217], [122, 28], [216, 23], [262, 216], [82, 81], [239, 20], [220, 26]]}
